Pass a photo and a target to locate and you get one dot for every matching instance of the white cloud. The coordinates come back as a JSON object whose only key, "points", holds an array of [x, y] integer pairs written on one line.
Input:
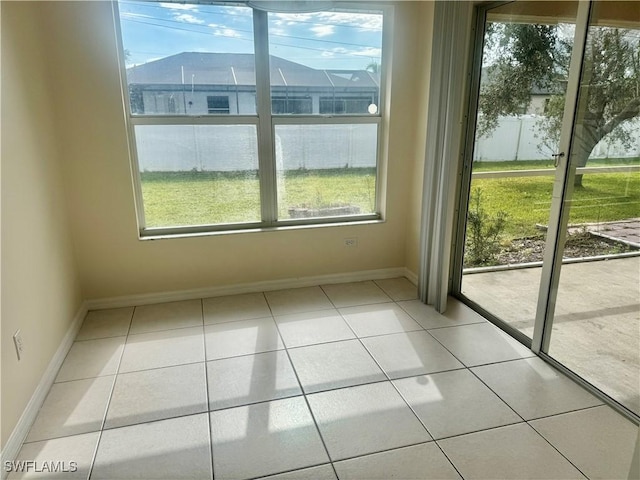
{"points": [[363, 21], [188, 18], [370, 52], [323, 30], [227, 32], [179, 6], [135, 15], [293, 18]]}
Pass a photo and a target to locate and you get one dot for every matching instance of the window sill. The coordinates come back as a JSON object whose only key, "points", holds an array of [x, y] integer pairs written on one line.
{"points": [[189, 232]]}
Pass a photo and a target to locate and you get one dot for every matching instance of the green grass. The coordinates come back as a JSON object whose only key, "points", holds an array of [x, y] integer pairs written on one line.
{"points": [[199, 198], [328, 188], [527, 200], [487, 166]]}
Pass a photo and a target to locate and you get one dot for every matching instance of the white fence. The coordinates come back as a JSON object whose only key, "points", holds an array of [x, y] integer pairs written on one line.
{"points": [[225, 148], [233, 147], [517, 138]]}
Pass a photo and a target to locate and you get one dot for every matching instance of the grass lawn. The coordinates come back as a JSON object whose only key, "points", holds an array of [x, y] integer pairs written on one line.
{"points": [[527, 200], [486, 166], [197, 198]]}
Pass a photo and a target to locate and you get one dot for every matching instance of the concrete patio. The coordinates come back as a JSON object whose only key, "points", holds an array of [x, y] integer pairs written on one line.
{"points": [[596, 331]]}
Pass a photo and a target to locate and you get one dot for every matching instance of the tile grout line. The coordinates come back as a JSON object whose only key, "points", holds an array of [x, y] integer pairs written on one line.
{"points": [[527, 421], [496, 393], [556, 449], [386, 450], [113, 387], [206, 389], [416, 414], [304, 394], [404, 399], [398, 392]]}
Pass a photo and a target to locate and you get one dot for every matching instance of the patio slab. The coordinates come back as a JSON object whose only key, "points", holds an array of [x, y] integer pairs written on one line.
{"points": [[596, 330], [627, 231]]}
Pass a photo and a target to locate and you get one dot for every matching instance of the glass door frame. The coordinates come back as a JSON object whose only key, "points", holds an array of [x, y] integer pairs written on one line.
{"points": [[559, 212], [562, 190]]}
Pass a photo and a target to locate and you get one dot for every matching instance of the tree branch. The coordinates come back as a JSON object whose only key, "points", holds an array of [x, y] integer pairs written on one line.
{"points": [[631, 110]]}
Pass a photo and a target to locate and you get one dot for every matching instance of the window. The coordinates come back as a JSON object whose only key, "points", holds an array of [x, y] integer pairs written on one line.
{"points": [[239, 127], [218, 104], [299, 105], [337, 105]]}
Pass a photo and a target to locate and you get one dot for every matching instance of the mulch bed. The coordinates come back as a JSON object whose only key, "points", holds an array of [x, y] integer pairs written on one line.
{"points": [[581, 244]]}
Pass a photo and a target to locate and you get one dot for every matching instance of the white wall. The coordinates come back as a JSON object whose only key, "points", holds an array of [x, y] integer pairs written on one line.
{"points": [[40, 287]]}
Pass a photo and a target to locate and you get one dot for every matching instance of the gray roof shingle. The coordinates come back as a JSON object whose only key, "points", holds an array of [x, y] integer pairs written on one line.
{"points": [[239, 69]]}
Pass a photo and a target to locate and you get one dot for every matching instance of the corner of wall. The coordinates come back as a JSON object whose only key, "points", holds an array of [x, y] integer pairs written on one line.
{"points": [[422, 51]]}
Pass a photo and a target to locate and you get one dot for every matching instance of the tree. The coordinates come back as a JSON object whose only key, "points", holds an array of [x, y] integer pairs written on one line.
{"points": [[373, 67], [528, 57]]}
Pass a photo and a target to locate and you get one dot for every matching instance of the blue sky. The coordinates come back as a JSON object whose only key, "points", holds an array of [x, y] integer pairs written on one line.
{"points": [[336, 40]]}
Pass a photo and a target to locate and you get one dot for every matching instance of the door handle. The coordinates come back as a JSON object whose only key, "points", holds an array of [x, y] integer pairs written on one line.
{"points": [[556, 158]]}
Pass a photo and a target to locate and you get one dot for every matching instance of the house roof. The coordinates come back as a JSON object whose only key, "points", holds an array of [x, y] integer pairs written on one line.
{"points": [[239, 69]]}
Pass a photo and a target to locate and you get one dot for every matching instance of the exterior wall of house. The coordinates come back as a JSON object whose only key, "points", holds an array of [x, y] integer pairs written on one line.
{"points": [[166, 102], [159, 101], [538, 104]]}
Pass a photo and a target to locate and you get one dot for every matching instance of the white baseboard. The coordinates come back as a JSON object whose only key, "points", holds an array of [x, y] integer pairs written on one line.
{"points": [[19, 434], [150, 298], [412, 277]]}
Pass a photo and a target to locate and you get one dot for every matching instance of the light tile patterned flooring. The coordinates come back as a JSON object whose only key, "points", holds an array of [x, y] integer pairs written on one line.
{"points": [[350, 381]]}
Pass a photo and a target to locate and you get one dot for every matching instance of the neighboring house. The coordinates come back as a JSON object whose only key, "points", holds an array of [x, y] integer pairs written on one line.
{"points": [[539, 98], [197, 83]]}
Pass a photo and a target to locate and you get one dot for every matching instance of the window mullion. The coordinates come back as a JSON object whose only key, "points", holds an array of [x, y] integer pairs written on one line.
{"points": [[266, 151]]}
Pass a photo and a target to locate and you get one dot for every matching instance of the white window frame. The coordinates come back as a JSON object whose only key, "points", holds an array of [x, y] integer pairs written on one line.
{"points": [[265, 123]]}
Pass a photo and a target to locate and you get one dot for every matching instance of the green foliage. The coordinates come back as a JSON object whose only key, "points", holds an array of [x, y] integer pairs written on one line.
{"points": [[373, 67], [525, 56], [482, 243], [520, 58]]}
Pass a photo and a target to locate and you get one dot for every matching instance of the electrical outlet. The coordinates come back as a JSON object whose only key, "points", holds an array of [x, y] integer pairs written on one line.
{"points": [[351, 242], [17, 341]]}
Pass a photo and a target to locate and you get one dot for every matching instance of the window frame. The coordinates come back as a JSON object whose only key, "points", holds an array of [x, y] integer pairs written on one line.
{"points": [[265, 122]]}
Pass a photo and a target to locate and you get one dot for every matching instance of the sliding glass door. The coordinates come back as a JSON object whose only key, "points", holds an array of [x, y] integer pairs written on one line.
{"points": [[549, 244], [593, 326], [523, 79]]}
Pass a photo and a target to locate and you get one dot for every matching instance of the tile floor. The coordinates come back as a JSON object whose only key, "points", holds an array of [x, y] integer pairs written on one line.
{"points": [[351, 381]]}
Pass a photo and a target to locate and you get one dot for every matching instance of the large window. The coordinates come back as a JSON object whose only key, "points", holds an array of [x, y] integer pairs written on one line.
{"points": [[242, 118]]}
